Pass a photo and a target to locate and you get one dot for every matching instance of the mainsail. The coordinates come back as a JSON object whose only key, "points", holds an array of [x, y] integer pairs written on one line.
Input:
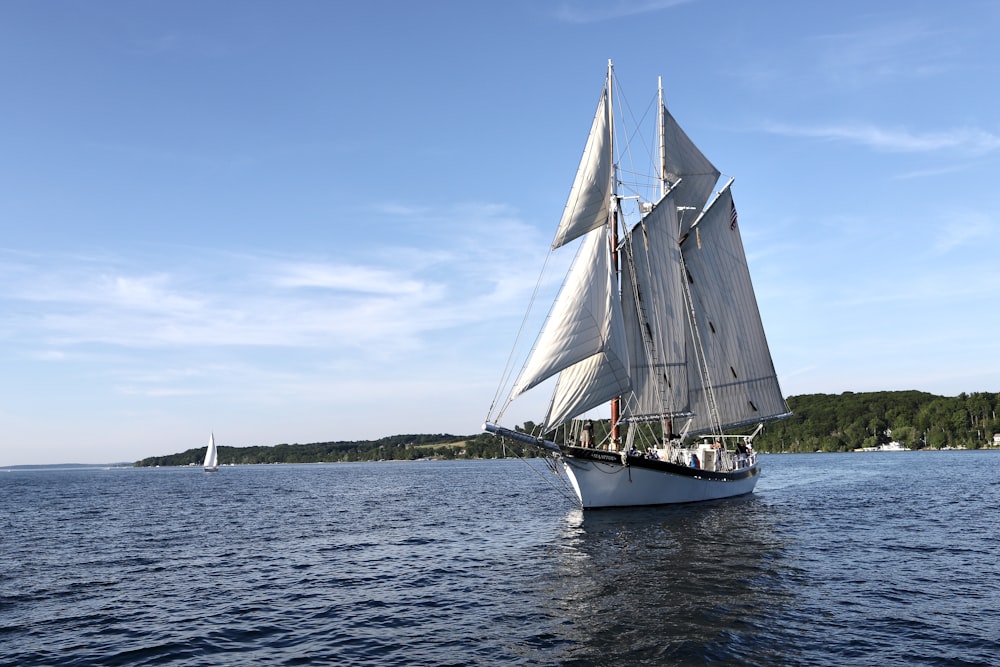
{"points": [[655, 317], [737, 378]]}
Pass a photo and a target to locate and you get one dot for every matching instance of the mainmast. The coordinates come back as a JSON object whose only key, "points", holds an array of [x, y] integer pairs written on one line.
{"points": [[616, 401]]}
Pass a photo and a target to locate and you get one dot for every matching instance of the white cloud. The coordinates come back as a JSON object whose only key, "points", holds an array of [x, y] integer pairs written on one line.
{"points": [[578, 11], [345, 277], [966, 140], [383, 306]]}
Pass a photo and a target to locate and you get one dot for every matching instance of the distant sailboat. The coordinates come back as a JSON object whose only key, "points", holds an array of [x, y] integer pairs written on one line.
{"points": [[658, 316], [211, 455]]}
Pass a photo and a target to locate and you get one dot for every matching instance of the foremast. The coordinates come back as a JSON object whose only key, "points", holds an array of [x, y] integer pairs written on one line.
{"points": [[613, 224]]}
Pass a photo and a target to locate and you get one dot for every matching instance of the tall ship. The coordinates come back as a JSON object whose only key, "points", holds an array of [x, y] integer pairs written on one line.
{"points": [[656, 318]]}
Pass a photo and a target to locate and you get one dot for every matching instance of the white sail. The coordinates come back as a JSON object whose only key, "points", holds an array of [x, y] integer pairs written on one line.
{"points": [[733, 347], [686, 169], [211, 454], [586, 320], [587, 206], [655, 317], [588, 384]]}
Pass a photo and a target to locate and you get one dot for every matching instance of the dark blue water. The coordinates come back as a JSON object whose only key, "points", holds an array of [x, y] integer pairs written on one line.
{"points": [[853, 559]]}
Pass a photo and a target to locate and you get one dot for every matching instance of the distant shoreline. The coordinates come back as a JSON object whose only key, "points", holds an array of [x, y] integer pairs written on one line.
{"points": [[107, 466]]}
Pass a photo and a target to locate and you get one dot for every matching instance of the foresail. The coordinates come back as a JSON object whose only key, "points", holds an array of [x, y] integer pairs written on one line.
{"points": [[586, 319], [741, 373], [655, 319], [684, 162], [588, 203]]}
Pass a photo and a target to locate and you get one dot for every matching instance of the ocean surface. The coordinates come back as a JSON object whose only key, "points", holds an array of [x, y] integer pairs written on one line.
{"points": [[836, 559]]}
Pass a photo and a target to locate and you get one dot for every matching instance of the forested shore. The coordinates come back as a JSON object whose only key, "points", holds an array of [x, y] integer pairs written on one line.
{"points": [[820, 422], [849, 421]]}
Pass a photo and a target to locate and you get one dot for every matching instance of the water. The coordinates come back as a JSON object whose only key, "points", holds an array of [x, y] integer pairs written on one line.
{"points": [[837, 559]]}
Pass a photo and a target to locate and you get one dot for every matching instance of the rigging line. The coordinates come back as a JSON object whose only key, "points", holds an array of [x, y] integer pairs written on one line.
{"points": [[508, 369], [636, 136]]}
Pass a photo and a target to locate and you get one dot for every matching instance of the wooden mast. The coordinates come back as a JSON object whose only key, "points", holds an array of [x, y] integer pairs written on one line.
{"points": [[616, 401], [667, 426]]}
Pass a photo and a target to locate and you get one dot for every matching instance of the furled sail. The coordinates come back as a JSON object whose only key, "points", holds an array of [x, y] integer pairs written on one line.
{"points": [[587, 206], [741, 375], [655, 318], [585, 322]]}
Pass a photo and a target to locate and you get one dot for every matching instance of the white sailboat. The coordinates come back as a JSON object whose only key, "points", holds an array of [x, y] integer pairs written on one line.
{"points": [[657, 316], [211, 455]]}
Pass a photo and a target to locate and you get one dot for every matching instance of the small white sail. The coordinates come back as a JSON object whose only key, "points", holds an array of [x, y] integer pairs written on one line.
{"points": [[211, 454], [589, 198], [684, 162]]}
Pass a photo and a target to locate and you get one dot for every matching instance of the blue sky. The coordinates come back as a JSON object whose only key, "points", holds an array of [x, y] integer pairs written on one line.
{"points": [[311, 221]]}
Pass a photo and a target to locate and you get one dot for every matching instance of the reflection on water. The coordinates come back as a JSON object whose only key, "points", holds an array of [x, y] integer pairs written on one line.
{"points": [[836, 560], [669, 584]]}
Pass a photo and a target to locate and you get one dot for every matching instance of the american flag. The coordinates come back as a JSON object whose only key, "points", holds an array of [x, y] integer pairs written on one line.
{"points": [[732, 216]]}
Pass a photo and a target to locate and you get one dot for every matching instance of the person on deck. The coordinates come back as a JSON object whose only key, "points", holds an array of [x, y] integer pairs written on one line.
{"points": [[587, 437], [741, 455]]}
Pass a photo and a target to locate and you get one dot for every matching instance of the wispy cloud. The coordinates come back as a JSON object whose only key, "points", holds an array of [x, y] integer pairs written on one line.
{"points": [[965, 228], [587, 11], [348, 278], [942, 170], [886, 49], [965, 140], [387, 304]]}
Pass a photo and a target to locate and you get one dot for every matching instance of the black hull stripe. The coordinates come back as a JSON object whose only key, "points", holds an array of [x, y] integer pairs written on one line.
{"points": [[615, 458]]}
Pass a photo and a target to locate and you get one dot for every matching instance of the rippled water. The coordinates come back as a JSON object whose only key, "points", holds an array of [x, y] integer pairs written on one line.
{"points": [[853, 559]]}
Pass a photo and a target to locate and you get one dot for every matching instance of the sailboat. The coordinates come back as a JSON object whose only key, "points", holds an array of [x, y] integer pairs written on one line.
{"points": [[656, 318], [211, 455]]}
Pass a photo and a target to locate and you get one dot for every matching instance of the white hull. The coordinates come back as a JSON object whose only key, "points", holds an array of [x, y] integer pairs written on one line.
{"points": [[611, 484]]}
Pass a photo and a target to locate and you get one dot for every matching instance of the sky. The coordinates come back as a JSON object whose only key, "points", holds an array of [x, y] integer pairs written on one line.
{"points": [[318, 221]]}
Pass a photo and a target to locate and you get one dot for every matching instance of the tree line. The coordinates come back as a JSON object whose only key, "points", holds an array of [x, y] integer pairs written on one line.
{"points": [[391, 448], [848, 421], [820, 422]]}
